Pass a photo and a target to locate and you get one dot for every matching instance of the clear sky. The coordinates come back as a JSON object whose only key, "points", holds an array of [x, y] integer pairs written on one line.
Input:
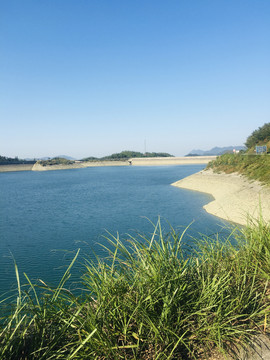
{"points": [[95, 77]]}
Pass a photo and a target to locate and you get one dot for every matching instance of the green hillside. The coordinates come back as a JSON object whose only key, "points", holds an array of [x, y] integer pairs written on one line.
{"points": [[254, 166], [261, 136]]}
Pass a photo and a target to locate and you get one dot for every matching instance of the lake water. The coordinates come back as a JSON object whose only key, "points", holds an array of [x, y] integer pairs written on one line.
{"points": [[46, 216]]}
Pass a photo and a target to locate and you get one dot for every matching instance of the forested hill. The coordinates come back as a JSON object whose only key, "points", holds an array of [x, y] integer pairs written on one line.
{"points": [[127, 154], [124, 155]]}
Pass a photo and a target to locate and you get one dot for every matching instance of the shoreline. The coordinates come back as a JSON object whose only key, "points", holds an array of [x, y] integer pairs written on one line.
{"points": [[159, 161], [180, 160], [236, 198], [79, 165], [16, 167]]}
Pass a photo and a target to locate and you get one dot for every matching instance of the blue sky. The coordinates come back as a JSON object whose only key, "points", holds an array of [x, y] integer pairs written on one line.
{"points": [[94, 77]]}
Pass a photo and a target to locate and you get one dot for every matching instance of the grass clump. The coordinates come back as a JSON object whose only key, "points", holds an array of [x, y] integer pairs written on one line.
{"points": [[255, 167], [148, 300]]}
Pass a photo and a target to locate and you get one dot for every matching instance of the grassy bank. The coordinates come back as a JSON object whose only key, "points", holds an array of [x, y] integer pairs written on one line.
{"points": [[148, 300], [256, 167]]}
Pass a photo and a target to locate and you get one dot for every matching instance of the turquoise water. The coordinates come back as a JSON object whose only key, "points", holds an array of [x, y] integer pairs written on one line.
{"points": [[46, 216]]}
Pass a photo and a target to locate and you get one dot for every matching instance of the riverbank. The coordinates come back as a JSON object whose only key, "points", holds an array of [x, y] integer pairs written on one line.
{"points": [[79, 165], [159, 161], [235, 197]]}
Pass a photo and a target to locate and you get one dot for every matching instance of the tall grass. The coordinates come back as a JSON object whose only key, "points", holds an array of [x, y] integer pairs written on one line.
{"points": [[148, 300], [256, 167]]}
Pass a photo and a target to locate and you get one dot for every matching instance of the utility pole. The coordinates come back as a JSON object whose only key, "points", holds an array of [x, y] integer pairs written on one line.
{"points": [[145, 146]]}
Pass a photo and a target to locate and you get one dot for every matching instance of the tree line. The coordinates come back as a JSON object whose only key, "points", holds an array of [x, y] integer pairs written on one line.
{"points": [[4, 160], [127, 154]]}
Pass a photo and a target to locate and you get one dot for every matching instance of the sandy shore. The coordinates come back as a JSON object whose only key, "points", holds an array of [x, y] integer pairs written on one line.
{"points": [[235, 197]]}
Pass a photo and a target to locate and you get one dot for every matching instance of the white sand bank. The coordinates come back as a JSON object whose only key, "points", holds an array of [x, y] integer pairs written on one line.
{"points": [[236, 197]]}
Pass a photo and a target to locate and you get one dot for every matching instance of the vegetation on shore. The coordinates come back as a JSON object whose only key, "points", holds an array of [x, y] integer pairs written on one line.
{"points": [[252, 166], [149, 299], [255, 167], [127, 154], [56, 161]]}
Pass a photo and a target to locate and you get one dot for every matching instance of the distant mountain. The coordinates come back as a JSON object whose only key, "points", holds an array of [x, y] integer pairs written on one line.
{"points": [[215, 151]]}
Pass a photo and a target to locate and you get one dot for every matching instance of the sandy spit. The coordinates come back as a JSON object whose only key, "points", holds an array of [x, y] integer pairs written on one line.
{"points": [[236, 198]]}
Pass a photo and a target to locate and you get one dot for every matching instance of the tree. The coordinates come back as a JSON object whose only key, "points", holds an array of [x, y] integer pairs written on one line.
{"points": [[259, 136]]}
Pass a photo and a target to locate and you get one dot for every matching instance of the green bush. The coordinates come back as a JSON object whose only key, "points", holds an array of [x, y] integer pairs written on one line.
{"points": [[56, 161]]}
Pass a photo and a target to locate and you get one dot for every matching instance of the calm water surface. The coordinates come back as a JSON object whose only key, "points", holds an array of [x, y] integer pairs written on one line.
{"points": [[46, 216]]}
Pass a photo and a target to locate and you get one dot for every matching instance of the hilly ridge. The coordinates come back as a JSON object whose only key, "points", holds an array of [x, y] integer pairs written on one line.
{"points": [[215, 151]]}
